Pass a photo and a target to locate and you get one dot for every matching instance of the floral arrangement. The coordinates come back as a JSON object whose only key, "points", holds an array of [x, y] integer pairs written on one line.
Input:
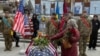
{"points": [[41, 41]]}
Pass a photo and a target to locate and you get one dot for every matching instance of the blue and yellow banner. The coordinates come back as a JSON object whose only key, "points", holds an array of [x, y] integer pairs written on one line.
{"points": [[57, 11]]}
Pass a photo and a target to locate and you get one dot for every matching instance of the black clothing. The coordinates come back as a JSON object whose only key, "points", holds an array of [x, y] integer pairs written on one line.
{"points": [[95, 25], [94, 34], [35, 27], [35, 24], [16, 39], [93, 39]]}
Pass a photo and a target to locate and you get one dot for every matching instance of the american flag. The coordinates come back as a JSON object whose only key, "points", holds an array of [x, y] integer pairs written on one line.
{"points": [[19, 19], [28, 26], [50, 47]]}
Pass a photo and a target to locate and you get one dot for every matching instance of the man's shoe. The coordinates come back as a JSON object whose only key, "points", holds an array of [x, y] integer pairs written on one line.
{"points": [[9, 50], [5, 50]]}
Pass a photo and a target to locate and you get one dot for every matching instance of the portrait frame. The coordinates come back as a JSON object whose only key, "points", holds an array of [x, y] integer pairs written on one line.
{"points": [[87, 9], [78, 8], [95, 7], [38, 8]]}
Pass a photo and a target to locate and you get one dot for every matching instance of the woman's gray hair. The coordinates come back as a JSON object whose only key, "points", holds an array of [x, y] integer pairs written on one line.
{"points": [[73, 23]]}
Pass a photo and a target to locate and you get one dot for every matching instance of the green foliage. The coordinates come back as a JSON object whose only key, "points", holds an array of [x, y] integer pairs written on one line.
{"points": [[41, 42]]}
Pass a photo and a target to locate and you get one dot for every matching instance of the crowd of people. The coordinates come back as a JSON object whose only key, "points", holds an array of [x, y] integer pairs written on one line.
{"points": [[65, 32]]}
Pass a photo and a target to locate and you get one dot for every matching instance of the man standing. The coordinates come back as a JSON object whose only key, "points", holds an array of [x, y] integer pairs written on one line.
{"points": [[84, 26], [94, 33], [64, 20], [52, 27], [62, 25], [6, 25]]}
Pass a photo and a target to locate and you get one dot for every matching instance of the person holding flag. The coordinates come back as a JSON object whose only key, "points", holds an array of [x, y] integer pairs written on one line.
{"points": [[64, 18]]}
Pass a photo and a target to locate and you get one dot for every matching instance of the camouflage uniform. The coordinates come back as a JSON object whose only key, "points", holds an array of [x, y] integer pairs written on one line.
{"points": [[0, 24], [84, 34], [7, 34], [52, 30]]}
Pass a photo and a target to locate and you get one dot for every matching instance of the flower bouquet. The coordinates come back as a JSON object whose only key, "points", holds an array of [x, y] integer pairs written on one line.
{"points": [[41, 42], [65, 39]]}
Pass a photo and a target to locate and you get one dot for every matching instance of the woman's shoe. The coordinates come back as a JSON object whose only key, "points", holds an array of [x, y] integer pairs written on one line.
{"points": [[17, 46]]}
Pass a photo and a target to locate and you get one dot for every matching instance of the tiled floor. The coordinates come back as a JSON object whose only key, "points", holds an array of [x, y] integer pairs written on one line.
{"points": [[16, 51]]}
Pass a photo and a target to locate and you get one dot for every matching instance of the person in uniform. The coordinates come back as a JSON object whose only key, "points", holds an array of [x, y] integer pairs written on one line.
{"points": [[94, 33], [84, 26], [52, 27], [69, 26], [6, 27]]}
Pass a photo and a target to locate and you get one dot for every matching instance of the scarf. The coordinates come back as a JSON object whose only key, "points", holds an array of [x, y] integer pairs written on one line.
{"points": [[85, 22], [6, 22], [54, 23]]}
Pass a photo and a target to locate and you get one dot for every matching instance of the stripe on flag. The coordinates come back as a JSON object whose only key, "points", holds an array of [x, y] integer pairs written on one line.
{"points": [[52, 49], [19, 19], [28, 25]]}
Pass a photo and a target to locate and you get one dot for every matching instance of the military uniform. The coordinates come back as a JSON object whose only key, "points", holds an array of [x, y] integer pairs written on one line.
{"points": [[0, 23], [7, 33], [84, 34], [52, 30]]}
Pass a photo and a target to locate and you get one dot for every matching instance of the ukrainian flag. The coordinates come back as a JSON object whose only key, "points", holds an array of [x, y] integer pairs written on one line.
{"points": [[57, 11]]}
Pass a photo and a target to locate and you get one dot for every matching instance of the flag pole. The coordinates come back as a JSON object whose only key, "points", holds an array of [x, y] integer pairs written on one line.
{"points": [[22, 51]]}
